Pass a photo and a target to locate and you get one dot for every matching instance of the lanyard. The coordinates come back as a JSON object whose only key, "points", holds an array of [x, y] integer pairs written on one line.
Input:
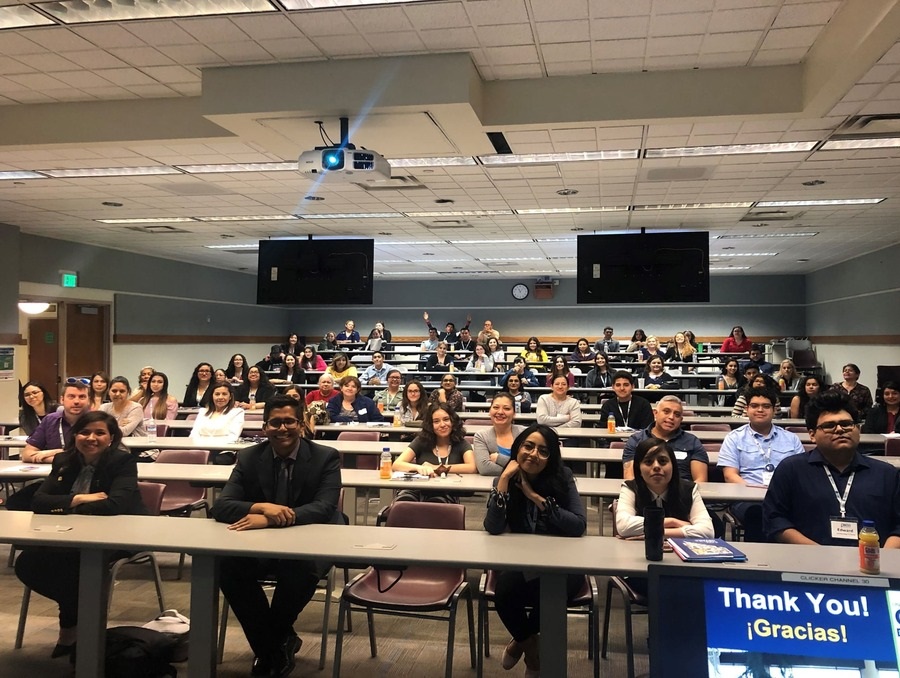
{"points": [[625, 413], [767, 453], [842, 501], [62, 440]]}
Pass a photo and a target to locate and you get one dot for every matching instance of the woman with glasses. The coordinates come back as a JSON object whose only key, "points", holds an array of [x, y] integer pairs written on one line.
{"points": [[128, 414], [515, 386], [440, 450], [198, 390], [255, 391], [414, 404], [156, 401], [237, 369], [35, 402], [447, 394], [94, 475], [350, 406], [534, 494], [221, 419], [99, 384], [310, 360], [493, 445], [391, 398], [809, 387]]}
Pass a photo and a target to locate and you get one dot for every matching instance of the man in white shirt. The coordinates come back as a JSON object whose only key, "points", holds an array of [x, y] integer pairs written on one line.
{"points": [[376, 373], [750, 454], [487, 333]]}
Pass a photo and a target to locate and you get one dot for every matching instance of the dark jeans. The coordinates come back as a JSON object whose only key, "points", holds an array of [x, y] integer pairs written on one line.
{"points": [[266, 626], [514, 595], [750, 514]]}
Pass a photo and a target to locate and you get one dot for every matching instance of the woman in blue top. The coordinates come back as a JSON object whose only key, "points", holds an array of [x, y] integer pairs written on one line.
{"points": [[350, 406], [535, 494], [493, 445]]}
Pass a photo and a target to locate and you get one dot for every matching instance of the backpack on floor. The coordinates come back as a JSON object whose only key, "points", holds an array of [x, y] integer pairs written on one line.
{"points": [[136, 652]]}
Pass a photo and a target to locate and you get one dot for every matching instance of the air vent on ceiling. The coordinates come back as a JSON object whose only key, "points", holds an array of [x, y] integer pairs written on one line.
{"points": [[156, 229], [888, 124], [499, 142], [776, 214], [499, 264], [398, 183], [441, 224]]}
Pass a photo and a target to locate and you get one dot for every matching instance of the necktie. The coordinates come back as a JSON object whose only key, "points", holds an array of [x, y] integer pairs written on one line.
{"points": [[283, 482]]}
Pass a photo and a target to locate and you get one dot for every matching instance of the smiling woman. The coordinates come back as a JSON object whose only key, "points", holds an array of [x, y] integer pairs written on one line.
{"points": [[128, 414]]}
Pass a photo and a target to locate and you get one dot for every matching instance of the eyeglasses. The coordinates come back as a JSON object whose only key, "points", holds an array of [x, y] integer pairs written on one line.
{"points": [[204, 371], [530, 446], [79, 380], [831, 426], [287, 422], [448, 381], [31, 394]]}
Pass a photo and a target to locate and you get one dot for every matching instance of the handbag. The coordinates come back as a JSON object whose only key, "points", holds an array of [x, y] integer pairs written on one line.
{"points": [[176, 626]]}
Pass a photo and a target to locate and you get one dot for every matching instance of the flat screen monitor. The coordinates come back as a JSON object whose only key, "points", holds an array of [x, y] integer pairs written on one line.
{"points": [[315, 272], [643, 268], [725, 623]]}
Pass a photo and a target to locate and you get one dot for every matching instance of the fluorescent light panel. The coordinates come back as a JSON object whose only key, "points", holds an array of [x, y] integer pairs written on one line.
{"points": [[239, 167], [80, 11], [450, 161], [570, 210], [19, 16], [252, 217], [109, 172], [731, 149], [694, 206], [512, 258], [741, 236], [729, 268], [742, 254], [853, 144], [20, 174], [460, 213], [358, 215], [488, 242], [818, 203], [154, 220], [327, 4], [538, 158]]}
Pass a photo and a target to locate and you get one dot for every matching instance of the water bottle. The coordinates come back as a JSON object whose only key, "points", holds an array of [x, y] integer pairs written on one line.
{"points": [[385, 467], [611, 423], [869, 549], [518, 404], [150, 425]]}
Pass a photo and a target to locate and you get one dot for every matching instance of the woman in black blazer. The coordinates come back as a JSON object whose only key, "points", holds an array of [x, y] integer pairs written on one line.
{"points": [[94, 475], [255, 391]]}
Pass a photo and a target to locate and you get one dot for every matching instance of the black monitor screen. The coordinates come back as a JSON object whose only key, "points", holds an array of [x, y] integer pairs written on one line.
{"points": [[313, 272], [724, 623], [643, 268]]}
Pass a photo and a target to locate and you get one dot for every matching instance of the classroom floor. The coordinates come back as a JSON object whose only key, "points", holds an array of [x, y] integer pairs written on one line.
{"points": [[406, 648]]}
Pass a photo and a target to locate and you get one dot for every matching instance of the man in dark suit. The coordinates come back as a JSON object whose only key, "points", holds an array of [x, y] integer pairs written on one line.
{"points": [[286, 481]]}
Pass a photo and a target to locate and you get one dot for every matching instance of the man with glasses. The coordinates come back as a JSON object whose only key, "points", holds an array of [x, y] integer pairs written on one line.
{"points": [[391, 397], [750, 454], [51, 435], [283, 482], [823, 497]]}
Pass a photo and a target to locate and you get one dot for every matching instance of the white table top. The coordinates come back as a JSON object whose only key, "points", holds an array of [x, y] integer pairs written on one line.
{"points": [[196, 473]]}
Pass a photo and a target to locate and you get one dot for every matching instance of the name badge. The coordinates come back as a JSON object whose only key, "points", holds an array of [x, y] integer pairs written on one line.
{"points": [[680, 455], [767, 477], [844, 528], [362, 411]]}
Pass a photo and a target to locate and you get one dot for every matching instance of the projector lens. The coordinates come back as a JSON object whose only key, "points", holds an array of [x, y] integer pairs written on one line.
{"points": [[332, 160]]}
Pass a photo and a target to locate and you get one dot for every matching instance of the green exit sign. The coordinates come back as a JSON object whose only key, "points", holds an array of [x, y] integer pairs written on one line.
{"points": [[68, 278]]}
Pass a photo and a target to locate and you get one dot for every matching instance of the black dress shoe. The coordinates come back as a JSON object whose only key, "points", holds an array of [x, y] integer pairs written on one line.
{"points": [[62, 650], [283, 661], [261, 667]]}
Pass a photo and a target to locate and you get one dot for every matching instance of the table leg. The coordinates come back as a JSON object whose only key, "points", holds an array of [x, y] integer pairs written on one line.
{"points": [[350, 503], [93, 590], [204, 615], [553, 624]]}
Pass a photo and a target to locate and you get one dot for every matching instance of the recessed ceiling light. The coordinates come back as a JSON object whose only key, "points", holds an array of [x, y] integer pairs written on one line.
{"points": [[20, 16], [818, 203], [740, 236], [570, 210], [744, 254], [251, 217], [694, 206], [248, 246], [537, 158], [567, 191], [732, 149], [360, 215], [79, 11], [460, 213], [729, 268]]}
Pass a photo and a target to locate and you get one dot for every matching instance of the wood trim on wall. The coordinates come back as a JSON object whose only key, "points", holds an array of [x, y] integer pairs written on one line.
{"points": [[15, 339], [866, 339], [193, 339]]}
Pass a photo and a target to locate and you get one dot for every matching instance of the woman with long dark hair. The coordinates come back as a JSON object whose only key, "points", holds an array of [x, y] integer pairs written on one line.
{"points": [[310, 360], [255, 391], [560, 368], [198, 390], [99, 386], [730, 380], [156, 401], [237, 368], [809, 386], [93, 475], [414, 403], [535, 494], [493, 445], [221, 418], [35, 403]]}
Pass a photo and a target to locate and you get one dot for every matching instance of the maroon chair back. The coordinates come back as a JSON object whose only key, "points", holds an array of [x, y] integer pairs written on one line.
{"points": [[427, 515], [152, 496], [364, 461]]}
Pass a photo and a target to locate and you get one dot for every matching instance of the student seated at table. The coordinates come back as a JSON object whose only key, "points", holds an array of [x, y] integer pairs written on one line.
{"points": [[273, 361], [600, 376], [291, 346], [690, 456], [99, 386], [341, 367], [222, 418], [756, 381], [821, 497], [219, 376], [447, 394], [290, 372], [414, 404], [55, 430], [379, 338], [128, 414], [883, 417], [325, 392], [656, 378], [757, 358], [348, 335], [730, 380], [736, 341], [750, 454], [497, 353], [157, 402], [441, 449], [651, 349], [198, 392], [391, 398], [809, 387], [431, 343], [440, 360], [479, 360], [560, 368], [533, 353], [255, 391], [35, 402], [237, 369], [376, 373], [557, 408], [521, 398], [681, 351], [787, 377], [629, 410], [286, 481], [493, 445], [529, 378], [657, 483], [859, 394], [534, 494], [328, 343], [94, 475], [310, 360], [583, 353], [606, 344], [638, 340], [349, 405], [143, 380]]}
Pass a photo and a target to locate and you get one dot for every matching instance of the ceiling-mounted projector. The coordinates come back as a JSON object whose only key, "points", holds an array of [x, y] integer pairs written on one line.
{"points": [[344, 162]]}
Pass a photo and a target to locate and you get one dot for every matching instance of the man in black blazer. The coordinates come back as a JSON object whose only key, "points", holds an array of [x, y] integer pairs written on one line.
{"points": [[286, 481]]}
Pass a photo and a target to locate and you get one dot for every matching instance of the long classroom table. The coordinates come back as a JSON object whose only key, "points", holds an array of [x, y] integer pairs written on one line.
{"points": [[206, 540]]}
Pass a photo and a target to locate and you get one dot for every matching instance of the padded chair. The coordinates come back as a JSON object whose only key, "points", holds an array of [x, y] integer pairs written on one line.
{"points": [[364, 461], [805, 360], [892, 447], [796, 429], [152, 496], [586, 602], [182, 498], [711, 427], [415, 591], [633, 601]]}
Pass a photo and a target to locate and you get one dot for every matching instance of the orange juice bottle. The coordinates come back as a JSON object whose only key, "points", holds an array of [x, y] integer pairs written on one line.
{"points": [[869, 549], [384, 469]]}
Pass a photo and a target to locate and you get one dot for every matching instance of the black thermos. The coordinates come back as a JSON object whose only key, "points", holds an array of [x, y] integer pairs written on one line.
{"points": [[654, 533]]}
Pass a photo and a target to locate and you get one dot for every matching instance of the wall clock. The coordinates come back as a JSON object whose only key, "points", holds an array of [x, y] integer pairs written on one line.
{"points": [[520, 291]]}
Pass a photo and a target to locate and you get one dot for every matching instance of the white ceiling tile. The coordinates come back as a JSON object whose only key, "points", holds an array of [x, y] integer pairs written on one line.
{"points": [[495, 12], [560, 10], [679, 24], [49, 62], [292, 48], [125, 76], [806, 14], [382, 20], [213, 29], [13, 44], [315, 24], [171, 74], [861, 92], [95, 58], [499, 56], [392, 43], [790, 38], [81, 79], [267, 26], [150, 91], [576, 51], [58, 39], [749, 19], [881, 73], [662, 7], [563, 31], [437, 15], [619, 49], [140, 56], [772, 57], [188, 89], [731, 42], [449, 39], [36, 81], [510, 34], [620, 28], [618, 65], [159, 33], [892, 91], [727, 60], [517, 71], [29, 97], [344, 45], [9, 65], [676, 46], [106, 36], [555, 68], [669, 63], [892, 56], [887, 107], [68, 94], [191, 55]]}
